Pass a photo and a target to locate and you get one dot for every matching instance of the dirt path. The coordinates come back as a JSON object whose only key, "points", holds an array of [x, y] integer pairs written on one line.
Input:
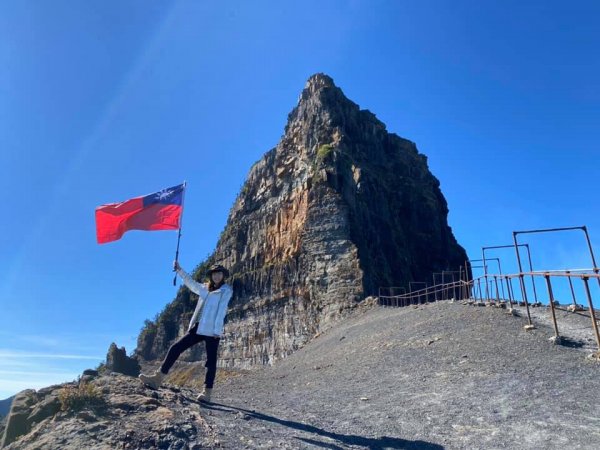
{"points": [[438, 376]]}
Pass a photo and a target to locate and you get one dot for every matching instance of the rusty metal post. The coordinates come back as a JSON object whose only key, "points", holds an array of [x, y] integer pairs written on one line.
{"points": [[507, 281], [497, 291], [467, 294], [509, 293], [445, 291], [469, 279], [571, 286], [512, 290], [535, 297], [552, 310], [592, 313], [461, 289], [487, 295], [501, 284], [453, 287], [589, 243], [523, 290]]}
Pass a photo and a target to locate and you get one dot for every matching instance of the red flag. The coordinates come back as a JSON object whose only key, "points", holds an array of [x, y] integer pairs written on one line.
{"points": [[158, 211]]}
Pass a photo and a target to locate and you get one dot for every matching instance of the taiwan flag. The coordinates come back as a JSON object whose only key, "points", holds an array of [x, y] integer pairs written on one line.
{"points": [[159, 211]]}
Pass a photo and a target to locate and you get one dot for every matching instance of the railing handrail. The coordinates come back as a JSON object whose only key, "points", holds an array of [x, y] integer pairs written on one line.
{"points": [[543, 273], [466, 290]]}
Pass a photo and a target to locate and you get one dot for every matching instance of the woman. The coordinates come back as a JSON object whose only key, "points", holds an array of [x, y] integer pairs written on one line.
{"points": [[206, 325]]}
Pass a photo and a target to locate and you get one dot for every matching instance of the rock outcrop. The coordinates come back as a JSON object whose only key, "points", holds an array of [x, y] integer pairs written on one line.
{"points": [[337, 209], [118, 361], [110, 411], [29, 408]]}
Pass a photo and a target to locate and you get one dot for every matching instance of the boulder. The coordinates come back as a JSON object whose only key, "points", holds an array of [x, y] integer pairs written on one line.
{"points": [[17, 423], [118, 361]]}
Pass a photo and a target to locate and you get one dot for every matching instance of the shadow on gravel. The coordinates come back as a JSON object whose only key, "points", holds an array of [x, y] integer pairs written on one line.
{"points": [[566, 342], [383, 442]]}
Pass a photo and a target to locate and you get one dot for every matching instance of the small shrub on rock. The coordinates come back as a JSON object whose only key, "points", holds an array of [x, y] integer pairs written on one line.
{"points": [[324, 151], [85, 395]]}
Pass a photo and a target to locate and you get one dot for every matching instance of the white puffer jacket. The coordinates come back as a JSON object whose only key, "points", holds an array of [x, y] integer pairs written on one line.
{"points": [[211, 307]]}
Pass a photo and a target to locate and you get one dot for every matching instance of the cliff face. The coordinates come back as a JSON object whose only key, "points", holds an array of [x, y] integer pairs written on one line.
{"points": [[337, 209]]}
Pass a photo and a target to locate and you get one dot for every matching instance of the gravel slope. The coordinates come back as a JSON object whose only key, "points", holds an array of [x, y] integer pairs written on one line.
{"points": [[437, 376], [442, 375]]}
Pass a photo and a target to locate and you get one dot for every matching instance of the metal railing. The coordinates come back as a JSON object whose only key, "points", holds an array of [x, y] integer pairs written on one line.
{"points": [[490, 294], [455, 290]]}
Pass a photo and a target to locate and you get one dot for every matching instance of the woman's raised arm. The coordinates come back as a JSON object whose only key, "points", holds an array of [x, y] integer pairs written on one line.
{"points": [[192, 285]]}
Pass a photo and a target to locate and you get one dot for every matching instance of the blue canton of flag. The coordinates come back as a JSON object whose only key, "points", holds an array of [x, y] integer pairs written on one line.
{"points": [[168, 196]]}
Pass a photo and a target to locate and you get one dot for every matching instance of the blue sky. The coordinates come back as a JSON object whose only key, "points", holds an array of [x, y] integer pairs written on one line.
{"points": [[101, 101]]}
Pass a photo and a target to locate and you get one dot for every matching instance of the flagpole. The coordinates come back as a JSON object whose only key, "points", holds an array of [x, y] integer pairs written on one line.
{"points": [[179, 234]]}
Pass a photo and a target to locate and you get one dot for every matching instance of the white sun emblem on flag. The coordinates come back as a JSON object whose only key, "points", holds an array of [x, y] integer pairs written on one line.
{"points": [[164, 194]]}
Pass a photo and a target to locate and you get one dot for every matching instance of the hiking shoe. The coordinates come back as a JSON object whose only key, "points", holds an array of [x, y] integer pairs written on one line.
{"points": [[154, 381], [205, 395]]}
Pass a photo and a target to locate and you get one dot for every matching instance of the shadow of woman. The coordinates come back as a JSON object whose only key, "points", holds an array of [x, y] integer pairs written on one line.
{"points": [[383, 442]]}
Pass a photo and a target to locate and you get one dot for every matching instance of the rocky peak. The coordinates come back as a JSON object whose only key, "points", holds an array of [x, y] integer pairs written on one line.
{"points": [[316, 89], [337, 209], [321, 104], [319, 80]]}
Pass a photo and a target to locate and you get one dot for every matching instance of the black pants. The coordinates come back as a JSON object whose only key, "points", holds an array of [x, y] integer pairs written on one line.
{"points": [[187, 341]]}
